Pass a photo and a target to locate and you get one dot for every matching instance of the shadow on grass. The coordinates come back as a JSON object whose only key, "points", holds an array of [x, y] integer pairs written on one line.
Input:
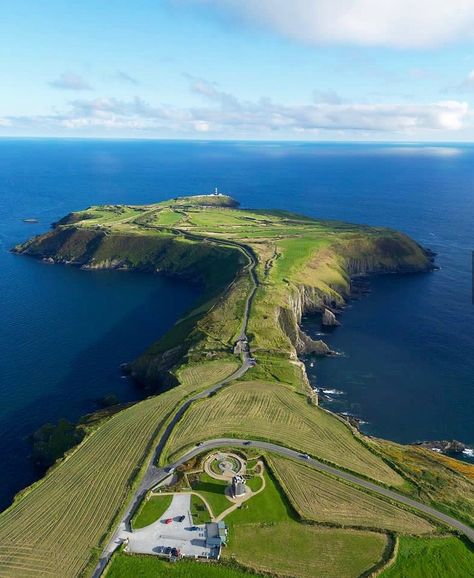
{"points": [[209, 487]]}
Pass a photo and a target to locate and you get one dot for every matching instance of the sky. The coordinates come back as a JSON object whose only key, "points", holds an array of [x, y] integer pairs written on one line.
{"points": [[369, 70]]}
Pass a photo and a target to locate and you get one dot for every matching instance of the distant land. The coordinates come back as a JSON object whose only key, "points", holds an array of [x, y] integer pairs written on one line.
{"points": [[230, 370]]}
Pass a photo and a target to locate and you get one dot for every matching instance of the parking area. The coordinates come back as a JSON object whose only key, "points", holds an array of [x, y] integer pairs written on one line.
{"points": [[172, 531]]}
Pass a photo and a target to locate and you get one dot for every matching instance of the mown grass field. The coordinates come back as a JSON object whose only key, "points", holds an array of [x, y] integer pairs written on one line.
{"points": [[134, 566], [200, 375], [276, 412], [301, 551], [151, 510], [447, 557], [265, 535], [322, 498], [59, 523]]}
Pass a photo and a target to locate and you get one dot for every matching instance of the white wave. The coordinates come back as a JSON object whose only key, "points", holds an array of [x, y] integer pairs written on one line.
{"points": [[468, 452], [333, 391]]}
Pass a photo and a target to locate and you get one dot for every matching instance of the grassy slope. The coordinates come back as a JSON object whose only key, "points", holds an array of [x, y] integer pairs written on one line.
{"points": [[151, 510], [446, 483], [277, 412], [432, 558], [322, 498]]}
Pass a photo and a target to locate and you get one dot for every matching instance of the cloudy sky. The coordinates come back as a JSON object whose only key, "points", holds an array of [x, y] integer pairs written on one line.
{"points": [[240, 69]]}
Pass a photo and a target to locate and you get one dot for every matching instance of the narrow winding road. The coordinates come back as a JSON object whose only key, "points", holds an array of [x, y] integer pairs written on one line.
{"points": [[155, 475]]}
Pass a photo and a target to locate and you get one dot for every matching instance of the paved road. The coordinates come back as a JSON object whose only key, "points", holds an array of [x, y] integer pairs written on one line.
{"points": [[322, 467]]}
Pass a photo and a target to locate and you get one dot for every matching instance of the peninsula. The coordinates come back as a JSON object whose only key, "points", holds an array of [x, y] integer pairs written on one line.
{"points": [[323, 498]]}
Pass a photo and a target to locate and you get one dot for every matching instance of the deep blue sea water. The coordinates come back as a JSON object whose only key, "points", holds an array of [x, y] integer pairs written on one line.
{"points": [[408, 361]]}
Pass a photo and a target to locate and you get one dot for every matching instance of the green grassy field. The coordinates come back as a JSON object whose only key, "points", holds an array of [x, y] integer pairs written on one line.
{"points": [[151, 510], [322, 498], [265, 535], [200, 375], [128, 566], [212, 491], [267, 507], [276, 412], [300, 551], [432, 558], [199, 511]]}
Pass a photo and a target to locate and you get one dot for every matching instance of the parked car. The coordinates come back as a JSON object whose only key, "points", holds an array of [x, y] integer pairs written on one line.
{"points": [[180, 518], [247, 443], [169, 521]]}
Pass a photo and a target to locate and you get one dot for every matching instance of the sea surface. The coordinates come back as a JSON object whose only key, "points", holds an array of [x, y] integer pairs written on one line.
{"points": [[406, 366]]}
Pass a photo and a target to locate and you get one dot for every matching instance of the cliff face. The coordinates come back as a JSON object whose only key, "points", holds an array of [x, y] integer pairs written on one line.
{"points": [[390, 253]]}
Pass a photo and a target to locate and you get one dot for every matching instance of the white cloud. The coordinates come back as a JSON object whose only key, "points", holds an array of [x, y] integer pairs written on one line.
{"points": [[70, 81], [399, 23], [224, 114]]}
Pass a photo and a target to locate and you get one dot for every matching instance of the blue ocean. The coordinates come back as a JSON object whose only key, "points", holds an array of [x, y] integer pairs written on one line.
{"points": [[406, 367]]}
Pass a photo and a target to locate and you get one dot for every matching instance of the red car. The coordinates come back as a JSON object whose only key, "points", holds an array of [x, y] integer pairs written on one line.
{"points": [[169, 521]]}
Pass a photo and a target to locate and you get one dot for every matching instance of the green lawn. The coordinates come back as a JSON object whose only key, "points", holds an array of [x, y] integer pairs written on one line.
{"points": [[255, 483], [268, 506], [212, 491], [432, 558], [199, 510], [133, 566], [304, 551], [151, 510]]}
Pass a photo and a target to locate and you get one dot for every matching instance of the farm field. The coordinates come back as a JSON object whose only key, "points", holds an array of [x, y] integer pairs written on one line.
{"points": [[200, 375], [275, 412], [151, 510], [264, 534], [322, 498], [128, 566], [447, 557], [302, 551], [57, 526]]}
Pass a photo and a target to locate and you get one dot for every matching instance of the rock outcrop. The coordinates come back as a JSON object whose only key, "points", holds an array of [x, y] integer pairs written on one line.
{"points": [[329, 319]]}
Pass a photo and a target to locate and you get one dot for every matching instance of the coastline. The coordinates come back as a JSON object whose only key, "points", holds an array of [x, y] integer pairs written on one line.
{"points": [[332, 395]]}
